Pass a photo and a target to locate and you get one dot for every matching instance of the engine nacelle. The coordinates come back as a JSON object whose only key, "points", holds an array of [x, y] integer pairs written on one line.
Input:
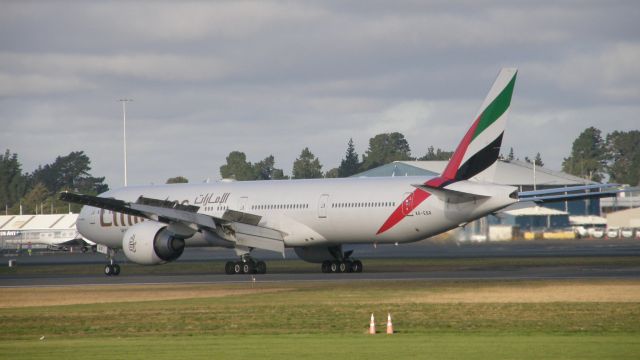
{"points": [[149, 243], [317, 254]]}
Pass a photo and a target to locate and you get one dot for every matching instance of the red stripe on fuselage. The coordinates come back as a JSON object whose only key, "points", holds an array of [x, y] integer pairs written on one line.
{"points": [[419, 196]]}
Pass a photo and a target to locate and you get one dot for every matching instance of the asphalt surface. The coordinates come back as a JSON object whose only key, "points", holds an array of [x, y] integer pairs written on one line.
{"points": [[524, 273], [591, 248], [428, 250]]}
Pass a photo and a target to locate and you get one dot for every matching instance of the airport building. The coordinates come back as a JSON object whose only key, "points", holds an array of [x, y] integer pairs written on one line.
{"points": [[554, 220], [515, 173], [38, 231]]}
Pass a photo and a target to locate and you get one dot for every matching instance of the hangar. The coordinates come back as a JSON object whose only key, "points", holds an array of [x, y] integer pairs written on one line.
{"points": [[532, 222], [39, 231], [508, 172]]}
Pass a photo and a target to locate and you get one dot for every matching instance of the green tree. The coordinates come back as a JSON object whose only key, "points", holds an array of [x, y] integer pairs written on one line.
{"points": [[266, 170], [385, 148], [12, 182], [537, 160], [436, 154], [177, 180], [307, 166], [350, 164], [237, 167], [69, 172], [34, 198], [623, 153], [333, 173], [588, 156]]}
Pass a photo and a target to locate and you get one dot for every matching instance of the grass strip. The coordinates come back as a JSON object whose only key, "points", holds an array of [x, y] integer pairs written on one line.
{"points": [[432, 346]]}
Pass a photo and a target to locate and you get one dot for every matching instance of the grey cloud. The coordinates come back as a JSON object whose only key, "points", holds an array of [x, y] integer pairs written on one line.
{"points": [[274, 77]]}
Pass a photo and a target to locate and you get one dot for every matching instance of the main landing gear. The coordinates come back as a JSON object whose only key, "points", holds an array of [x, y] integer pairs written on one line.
{"points": [[342, 263], [341, 266], [246, 265]]}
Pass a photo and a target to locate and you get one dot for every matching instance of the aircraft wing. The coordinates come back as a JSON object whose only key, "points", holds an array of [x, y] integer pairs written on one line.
{"points": [[236, 226]]}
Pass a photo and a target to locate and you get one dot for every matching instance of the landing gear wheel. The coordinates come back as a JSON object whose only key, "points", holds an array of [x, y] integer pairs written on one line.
{"points": [[335, 266], [228, 268], [116, 269], [261, 267], [237, 268], [348, 266], [356, 266], [342, 266], [108, 270], [247, 268], [326, 266]]}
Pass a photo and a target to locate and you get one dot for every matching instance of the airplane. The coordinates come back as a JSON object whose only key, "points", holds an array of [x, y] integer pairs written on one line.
{"points": [[316, 217]]}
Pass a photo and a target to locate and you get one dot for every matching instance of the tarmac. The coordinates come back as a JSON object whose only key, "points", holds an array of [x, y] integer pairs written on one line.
{"points": [[574, 248]]}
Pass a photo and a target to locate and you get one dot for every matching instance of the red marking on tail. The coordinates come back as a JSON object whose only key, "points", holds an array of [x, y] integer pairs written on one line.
{"points": [[453, 165]]}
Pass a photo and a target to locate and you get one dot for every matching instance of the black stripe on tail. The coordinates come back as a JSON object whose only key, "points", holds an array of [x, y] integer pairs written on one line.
{"points": [[481, 160]]}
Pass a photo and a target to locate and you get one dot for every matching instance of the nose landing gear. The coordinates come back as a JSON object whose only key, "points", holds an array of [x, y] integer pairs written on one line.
{"points": [[111, 269]]}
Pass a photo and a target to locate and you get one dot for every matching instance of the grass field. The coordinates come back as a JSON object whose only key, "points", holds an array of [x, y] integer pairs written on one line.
{"points": [[568, 319], [445, 346]]}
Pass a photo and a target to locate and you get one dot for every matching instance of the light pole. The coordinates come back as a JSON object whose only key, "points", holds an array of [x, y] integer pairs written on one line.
{"points": [[124, 132], [534, 174]]}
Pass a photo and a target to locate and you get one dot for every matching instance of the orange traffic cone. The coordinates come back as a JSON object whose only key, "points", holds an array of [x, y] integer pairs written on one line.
{"points": [[389, 324], [372, 326]]}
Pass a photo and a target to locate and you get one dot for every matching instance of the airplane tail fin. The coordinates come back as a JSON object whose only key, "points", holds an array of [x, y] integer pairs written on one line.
{"points": [[479, 149]]}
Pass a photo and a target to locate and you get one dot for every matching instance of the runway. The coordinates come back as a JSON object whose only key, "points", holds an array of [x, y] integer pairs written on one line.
{"points": [[423, 250], [516, 250], [491, 274]]}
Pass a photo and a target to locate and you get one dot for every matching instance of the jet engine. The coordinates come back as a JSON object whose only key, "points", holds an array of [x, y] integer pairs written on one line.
{"points": [[150, 243]]}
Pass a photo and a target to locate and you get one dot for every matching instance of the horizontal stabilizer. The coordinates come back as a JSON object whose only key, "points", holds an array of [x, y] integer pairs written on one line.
{"points": [[558, 198], [459, 193], [565, 189], [594, 191]]}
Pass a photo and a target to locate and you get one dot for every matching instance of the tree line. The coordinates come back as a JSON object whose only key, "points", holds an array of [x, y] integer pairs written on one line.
{"points": [[615, 157], [37, 192], [383, 149]]}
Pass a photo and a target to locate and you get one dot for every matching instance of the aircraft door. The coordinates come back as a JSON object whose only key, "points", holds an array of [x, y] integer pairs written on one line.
{"points": [[242, 203], [93, 215], [322, 206], [407, 204]]}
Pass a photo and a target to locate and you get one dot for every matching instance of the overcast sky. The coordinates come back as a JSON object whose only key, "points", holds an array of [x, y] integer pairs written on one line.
{"points": [[266, 78]]}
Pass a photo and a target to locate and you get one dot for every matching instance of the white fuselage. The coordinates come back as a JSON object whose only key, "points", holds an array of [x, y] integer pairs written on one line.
{"points": [[307, 212]]}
